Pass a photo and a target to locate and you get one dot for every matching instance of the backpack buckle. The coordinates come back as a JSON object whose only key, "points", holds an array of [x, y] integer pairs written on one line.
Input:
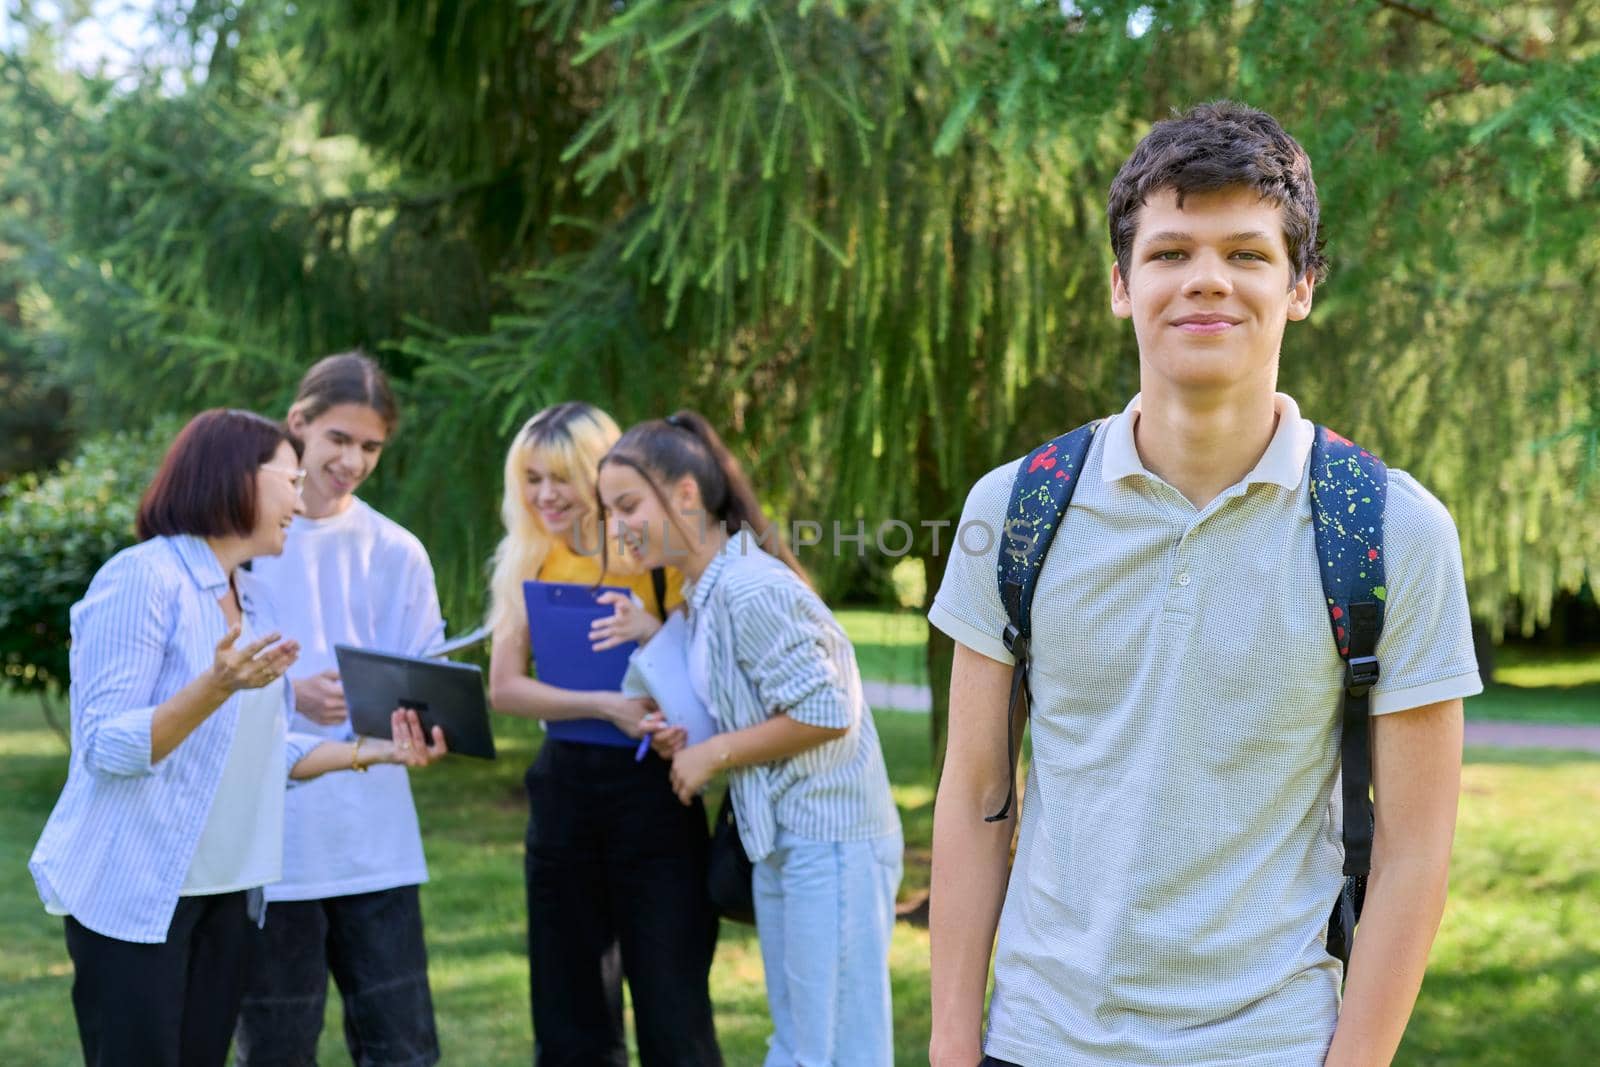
{"points": [[1360, 675], [1015, 642]]}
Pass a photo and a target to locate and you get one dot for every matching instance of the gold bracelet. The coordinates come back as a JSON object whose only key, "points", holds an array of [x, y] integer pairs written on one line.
{"points": [[355, 757]]}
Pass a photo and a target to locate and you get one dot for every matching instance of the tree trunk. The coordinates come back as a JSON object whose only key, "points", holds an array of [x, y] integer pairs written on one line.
{"points": [[51, 720], [1483, 649]]}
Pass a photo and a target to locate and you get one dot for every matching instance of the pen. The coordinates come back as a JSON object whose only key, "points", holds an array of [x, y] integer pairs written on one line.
{"points": [[644, 745]]}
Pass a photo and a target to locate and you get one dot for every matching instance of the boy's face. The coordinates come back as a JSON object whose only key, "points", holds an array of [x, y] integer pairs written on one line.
{"points": [[1208, 290]]}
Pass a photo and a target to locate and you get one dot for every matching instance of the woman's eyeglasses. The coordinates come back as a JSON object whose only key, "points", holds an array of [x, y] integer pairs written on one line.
{"points": [[297, 477]]}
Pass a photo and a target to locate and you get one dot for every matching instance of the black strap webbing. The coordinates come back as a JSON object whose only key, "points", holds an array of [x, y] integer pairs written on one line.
{"points": [[1360, 675], [658, 582], [1021, 699]]}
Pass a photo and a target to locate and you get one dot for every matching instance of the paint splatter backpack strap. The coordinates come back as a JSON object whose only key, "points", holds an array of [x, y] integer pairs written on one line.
{"points": [[1348, 485], [1040, 493]]}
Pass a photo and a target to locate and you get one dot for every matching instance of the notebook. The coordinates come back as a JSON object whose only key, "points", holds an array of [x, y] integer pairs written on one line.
{"points": [[661, 670]]}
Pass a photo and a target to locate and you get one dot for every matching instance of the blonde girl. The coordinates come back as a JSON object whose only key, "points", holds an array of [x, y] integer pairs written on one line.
{"points": [[615, 866]]}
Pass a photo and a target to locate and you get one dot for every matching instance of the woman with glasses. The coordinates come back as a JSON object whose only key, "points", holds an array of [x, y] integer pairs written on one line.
{"points": [[170, 822], [348, 902]]}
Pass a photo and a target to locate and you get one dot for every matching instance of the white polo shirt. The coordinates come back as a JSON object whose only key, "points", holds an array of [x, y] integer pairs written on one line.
{"points": [[1180, 847]]}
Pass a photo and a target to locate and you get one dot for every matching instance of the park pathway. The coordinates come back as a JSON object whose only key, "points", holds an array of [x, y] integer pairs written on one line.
{"points": [[904, 697]]}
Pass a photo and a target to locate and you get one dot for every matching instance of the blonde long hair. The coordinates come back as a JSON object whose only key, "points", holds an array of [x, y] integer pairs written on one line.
{"points": [[570, 439]]}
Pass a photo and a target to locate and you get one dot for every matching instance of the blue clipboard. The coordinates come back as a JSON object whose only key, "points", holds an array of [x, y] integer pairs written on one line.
{"points": [[559, 616]]}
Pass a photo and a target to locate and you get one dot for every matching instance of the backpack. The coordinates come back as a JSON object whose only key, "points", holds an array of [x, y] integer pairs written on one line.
{"points": [[1348, 484]]}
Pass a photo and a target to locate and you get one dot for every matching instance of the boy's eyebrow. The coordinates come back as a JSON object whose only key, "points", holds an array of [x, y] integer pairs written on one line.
{"points": [[1179, 237]]}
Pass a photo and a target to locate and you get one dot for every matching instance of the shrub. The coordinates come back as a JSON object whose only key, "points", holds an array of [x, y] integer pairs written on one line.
{"points": [[56, 530]]}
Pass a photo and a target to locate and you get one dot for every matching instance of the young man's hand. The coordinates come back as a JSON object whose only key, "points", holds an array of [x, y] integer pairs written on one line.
{"points": [[320, 698]]}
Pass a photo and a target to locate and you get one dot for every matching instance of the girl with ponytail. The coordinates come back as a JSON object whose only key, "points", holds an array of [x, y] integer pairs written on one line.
{"points": [[805, 770], [615, 868]]}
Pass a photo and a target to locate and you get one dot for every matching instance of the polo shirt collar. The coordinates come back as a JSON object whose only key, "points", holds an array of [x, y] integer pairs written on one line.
{"points": [[204, 569], [1283, 463]]}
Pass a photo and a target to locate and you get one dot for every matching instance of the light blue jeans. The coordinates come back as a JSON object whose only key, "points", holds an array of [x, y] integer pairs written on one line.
{"points": [[824, 915]]}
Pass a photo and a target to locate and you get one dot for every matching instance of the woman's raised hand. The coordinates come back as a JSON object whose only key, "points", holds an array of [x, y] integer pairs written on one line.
{"points": [[252, 666]]}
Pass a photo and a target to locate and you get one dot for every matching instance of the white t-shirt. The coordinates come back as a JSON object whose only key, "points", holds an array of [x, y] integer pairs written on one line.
{"points": [[358, 579], [241, 846], [1180, 845]]}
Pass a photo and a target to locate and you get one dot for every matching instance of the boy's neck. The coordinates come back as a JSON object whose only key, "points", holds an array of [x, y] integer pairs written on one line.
{"points": [[318, 508], [1202, 444]]}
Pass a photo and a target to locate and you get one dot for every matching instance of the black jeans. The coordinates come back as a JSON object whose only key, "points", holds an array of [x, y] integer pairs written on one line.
{"points": [[166, 1005], [616, 880], [372, 942]]}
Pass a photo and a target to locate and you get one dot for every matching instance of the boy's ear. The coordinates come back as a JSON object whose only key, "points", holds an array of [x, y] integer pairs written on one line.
{"points": [[296, 422], [1121, 302], [1300, 297]]}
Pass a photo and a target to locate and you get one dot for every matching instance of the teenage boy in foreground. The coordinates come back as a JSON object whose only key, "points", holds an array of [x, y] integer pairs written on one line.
{"points": [[1180, 847]]}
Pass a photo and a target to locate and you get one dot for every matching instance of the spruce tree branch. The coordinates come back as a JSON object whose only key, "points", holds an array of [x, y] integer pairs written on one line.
{"points": [[1423, 14], [392, 198]]}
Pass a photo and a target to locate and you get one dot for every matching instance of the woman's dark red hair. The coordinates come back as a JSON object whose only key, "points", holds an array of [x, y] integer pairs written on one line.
{"points": [[206, 486]]}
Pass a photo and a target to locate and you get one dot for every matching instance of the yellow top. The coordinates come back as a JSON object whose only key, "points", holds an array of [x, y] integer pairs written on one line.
{"points": [[565, 565]]}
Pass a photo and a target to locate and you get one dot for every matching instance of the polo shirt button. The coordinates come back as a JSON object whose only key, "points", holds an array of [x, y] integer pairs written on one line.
{"points": [[1183, 579]]}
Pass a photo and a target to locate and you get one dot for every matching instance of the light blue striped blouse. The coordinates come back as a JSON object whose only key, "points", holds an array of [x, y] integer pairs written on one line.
{"points": [[116, 848], [773, 646]]}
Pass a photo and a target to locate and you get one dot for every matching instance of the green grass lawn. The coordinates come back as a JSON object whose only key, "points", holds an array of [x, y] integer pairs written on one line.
{"points": [[1515, 977], [1535, 685], [890, 645], [473, 814]]}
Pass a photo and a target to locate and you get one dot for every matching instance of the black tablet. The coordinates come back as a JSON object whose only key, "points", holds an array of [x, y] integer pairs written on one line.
{"points": [[442, 693]]}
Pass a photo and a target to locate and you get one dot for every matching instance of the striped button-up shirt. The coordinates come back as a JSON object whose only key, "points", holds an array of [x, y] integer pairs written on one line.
{"points": [[772, 646], [119, 843]]}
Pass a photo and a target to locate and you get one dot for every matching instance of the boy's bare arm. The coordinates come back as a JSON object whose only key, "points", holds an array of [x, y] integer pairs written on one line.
{"points": [[969, 857], [1416, 768]]}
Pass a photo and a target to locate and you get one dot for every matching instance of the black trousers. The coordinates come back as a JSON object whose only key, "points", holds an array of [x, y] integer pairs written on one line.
{"points": [[616, 881], [372, 942], [166, 1005]]}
